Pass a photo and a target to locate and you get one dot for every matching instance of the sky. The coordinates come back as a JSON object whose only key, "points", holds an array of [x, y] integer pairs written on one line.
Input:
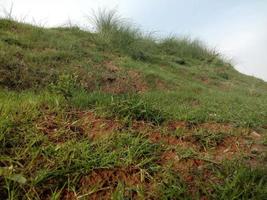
{"points": [[236, 28]]}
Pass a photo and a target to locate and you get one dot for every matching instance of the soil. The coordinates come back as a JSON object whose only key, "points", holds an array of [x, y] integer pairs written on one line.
{"points": [[103, 182]]}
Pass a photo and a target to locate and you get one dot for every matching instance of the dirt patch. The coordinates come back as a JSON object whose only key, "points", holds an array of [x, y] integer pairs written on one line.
{"points": [[75, 124], [168, 157], [209, 126], [120, 82], [111, 67], [48, 124], [103, 182], [137, 81], [182, 166], [158, 137], [216, 127], [143, 127], [173, 126], [57, 128], [204, 80], [68, 195], [230, 148], [96, 127]]}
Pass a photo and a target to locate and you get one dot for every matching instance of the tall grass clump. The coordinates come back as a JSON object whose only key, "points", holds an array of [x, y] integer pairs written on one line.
{"points": [[114, 31], [119, 35], [186, 47]]}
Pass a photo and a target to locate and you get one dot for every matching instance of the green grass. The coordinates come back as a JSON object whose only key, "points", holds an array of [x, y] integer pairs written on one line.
{"points": [[52, 79], [239, 182]]}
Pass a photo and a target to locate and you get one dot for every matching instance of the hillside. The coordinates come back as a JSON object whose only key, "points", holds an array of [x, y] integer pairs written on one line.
{"points": [[117, 114]]}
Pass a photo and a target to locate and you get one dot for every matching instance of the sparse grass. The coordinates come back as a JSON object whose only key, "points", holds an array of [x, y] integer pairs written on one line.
{"points": [[186, 153], [209, 139], [172, 186], [49, 78]]}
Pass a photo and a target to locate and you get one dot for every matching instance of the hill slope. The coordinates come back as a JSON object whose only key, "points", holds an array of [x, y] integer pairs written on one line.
{"points": [[117, 114]]}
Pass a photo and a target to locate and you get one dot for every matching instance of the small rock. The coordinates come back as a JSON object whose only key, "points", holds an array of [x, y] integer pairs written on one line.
{"points": [[255, 135]]}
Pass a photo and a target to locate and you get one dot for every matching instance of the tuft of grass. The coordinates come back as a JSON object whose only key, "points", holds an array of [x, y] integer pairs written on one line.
{"points": [[134, 108], [240, 182], [187, 48], [209, 139], [172, 186], [113, 31], [126, 107], [186, 153]]}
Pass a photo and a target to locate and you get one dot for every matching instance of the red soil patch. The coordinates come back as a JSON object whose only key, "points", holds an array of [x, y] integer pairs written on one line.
{"points": [[172, 126], [183, 166], [96, 127], [157, 137], [77, 124], [68, 195], [101, 183], [216, 127], [168, 157], [53, 126], [137, 81], [111, 67], [142, 127], [210, 126], [48, 124], [205, 80], [230, 148], [119, 82]]}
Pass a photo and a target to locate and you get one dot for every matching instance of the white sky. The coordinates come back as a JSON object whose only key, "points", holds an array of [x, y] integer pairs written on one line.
{"points": [[237, 28]]}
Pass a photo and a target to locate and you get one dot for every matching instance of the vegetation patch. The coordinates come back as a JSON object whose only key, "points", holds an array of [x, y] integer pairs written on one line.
{"points": [[114, 113]]}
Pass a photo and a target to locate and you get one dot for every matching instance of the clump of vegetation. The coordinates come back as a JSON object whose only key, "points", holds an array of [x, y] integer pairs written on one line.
{"points": [[16, 74], [172, 186], [209, 139], [134, 108], [240, 182], [187, 48], [115, 33], [65, 85]]}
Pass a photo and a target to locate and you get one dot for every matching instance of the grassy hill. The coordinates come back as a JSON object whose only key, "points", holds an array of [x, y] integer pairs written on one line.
{"points": [[119, 114]]}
